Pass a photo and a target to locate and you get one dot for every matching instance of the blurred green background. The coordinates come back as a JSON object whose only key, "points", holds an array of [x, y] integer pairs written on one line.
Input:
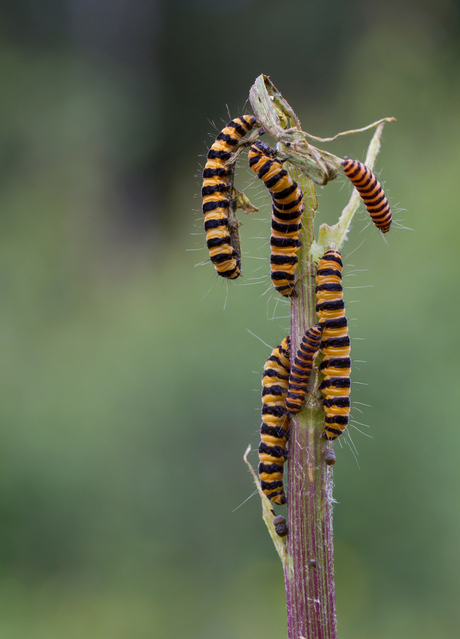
{"points": [[130, 384]]}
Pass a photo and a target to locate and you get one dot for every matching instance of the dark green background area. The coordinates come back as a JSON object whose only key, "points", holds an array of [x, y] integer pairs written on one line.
{"points": [[130, 385]]}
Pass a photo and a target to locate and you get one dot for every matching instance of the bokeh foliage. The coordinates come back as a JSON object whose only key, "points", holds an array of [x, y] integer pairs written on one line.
{"points": [[130, 385]]}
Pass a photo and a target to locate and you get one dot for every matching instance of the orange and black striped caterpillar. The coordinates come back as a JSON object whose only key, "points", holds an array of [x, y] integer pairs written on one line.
{"points": [[371, 192], [301, 369], [288, 207], [223, 248], [336, 365], [275, 425]]}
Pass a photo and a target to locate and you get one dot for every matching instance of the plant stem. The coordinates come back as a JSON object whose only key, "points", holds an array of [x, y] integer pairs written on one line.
{"points": [[308, 558], [309, 568]]}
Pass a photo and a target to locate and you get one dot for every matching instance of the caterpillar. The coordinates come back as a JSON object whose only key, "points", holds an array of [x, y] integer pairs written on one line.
{"points": [[301, 369], [335, 344], [288, 207], [371, 192], [224, 249], [275, 423]]}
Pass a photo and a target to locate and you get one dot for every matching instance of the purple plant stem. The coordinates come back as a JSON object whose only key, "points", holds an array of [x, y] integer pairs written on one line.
{"points": [[309, 569]]}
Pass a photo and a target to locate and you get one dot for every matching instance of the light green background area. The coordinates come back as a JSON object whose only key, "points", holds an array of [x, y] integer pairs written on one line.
{"points": [[130, 385]]}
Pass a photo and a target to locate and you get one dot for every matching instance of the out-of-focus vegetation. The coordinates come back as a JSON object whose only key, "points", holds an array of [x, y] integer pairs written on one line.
{"points": [[130, 386]]}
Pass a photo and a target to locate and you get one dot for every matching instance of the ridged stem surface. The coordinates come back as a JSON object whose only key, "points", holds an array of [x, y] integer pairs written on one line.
{"points": [[309, 568]]}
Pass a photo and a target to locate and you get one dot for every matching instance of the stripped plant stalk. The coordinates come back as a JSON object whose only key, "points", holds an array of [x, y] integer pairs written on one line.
{"points": [[309, 569], [309, 564], [308, 553]]}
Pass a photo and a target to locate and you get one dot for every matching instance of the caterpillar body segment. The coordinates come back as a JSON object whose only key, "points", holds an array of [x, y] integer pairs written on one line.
{"points": [[371, 192], [275, 425], [288, 206], [335, 344], [301, 369], [222, 241]]}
